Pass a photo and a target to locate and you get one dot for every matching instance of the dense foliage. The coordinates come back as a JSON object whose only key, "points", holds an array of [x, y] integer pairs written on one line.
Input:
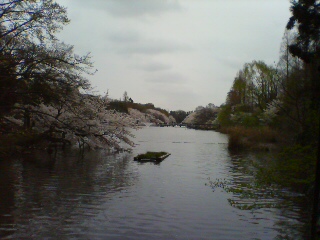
{"points": [[279, 97], [179, 115]]}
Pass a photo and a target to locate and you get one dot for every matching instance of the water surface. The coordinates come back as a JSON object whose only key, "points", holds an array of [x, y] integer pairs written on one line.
{"points": [[103, 196]]}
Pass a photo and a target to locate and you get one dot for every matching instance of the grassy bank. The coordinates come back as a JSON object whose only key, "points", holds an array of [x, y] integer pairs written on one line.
{"points": [[259, 138]]}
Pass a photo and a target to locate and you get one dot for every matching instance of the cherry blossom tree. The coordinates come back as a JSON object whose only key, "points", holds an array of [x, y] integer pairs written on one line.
{"points": [[47, 83], [83, 120]]}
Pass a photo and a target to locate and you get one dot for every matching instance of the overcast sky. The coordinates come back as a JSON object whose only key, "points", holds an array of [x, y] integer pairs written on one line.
{"points": [[177, 54]]}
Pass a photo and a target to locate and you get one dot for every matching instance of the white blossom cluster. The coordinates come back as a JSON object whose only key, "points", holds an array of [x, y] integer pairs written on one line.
{"points": [[150, 116], [79, 119], [190, 118], [271, 111], [172, 120], [239, 117], [138, 116], [157, 117]]}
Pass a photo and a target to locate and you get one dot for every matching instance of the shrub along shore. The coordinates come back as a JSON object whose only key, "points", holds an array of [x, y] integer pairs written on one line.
{"points": [[259, 138]]}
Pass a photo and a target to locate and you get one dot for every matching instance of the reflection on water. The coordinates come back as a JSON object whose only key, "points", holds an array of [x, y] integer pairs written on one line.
{"points": [[50, 195], [248, 193], [106, 196]]}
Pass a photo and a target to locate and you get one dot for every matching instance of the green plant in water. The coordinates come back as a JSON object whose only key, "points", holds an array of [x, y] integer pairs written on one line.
{"points": [[246, 196], [293, 168], [151, 155]]}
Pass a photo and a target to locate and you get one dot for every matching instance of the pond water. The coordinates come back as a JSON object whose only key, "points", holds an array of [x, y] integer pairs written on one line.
{"points": [[103, 196]]}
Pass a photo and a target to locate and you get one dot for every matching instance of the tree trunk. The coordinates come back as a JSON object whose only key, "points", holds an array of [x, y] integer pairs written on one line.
{"points": [[315, 211]]}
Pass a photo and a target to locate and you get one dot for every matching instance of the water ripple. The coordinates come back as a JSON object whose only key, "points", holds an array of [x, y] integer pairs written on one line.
{"points": [[113, 197]]}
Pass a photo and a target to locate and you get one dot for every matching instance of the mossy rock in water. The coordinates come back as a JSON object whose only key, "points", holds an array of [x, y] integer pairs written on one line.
{"points": [[151, 156]]}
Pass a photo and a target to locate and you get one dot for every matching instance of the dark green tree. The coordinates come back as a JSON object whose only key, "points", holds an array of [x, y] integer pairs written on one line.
{"points": [[179, 115], [306, 21]]}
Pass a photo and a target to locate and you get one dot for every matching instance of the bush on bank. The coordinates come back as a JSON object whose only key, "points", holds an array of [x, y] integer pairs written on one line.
{"points": [[258, 138]]}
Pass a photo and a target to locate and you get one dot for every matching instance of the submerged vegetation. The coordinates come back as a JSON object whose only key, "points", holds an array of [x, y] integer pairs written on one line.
{"points": [[157, 156], [293, 168]]}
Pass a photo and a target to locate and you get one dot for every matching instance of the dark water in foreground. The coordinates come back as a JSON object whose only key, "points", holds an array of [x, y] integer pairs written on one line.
{"points": [[113, 197]]}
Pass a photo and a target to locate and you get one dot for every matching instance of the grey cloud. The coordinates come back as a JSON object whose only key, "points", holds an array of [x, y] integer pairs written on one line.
{"points": [[231, 61], [133, 8], [155, 67], [151, 47], [124, 37], [168, 78], [205, 41], [173, 98], [135, 43]]}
